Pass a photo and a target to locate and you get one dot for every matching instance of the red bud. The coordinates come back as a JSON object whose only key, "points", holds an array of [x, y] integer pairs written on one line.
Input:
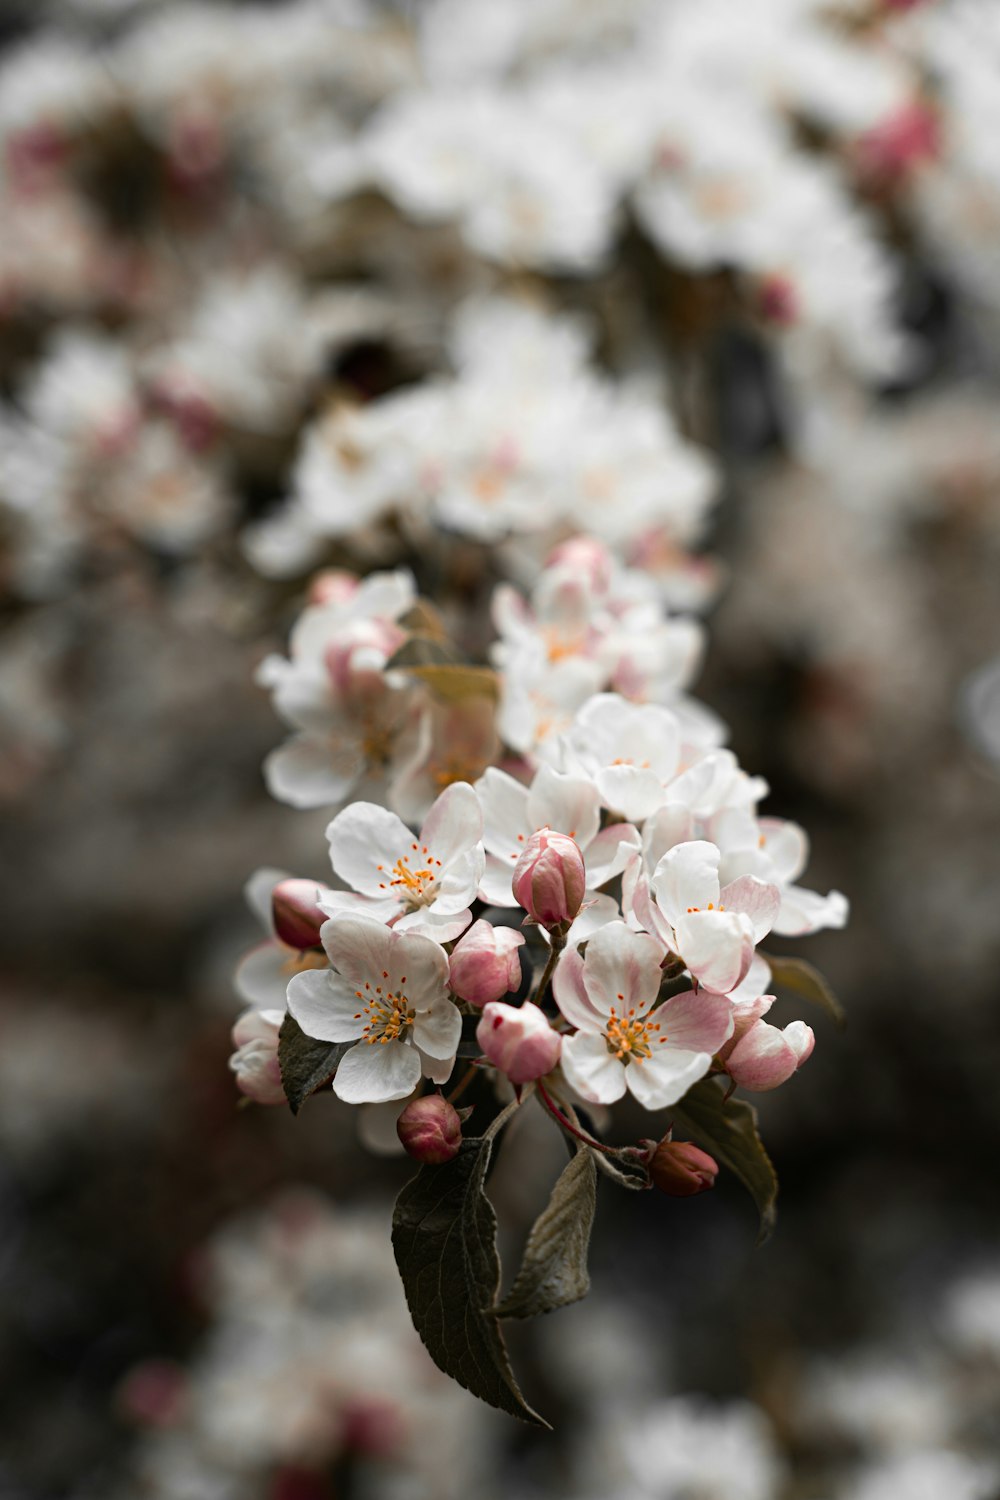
{"points": [[681, 1169], [297, 918], [430, 1129]]}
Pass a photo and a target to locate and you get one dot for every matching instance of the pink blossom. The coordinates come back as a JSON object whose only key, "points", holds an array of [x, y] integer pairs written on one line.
{"points": [[518, 1040], [550, 878], [484, 964]]}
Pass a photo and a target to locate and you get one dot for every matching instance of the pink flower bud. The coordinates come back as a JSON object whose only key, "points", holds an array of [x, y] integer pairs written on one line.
{"points": [[297, 918], [518, 1040], [778, 300], [681, 1169], [765, 1057], [255, 1062], [550, 878], [430, 1129], [484, 964]]}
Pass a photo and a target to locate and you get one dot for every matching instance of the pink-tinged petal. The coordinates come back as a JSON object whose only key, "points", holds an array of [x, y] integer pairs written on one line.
{"points": [[325, 1006], [358, 947], [787, 847], [438, 1030], [805, 911], [687, 877], [429, 923], [261, 977], [567, 804], [717, 947], [622, 969], [310, 771], [695, 1022], [762, 1059], [504, 804], [257, 894], [755, 982], [375, 1074], [632, 791], [608, 854], [646, 913], [591, 1069], [350, 903], [571, 993], [454, 825], [365, 841], [662, 1079], [801, 1039], [756, 899], [745, 1015]]}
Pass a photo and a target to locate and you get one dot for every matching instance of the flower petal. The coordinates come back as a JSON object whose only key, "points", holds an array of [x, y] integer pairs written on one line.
{"points": [[313, 771], [693, 1022], [662, 1079], [454, 824], [566, 804], [717, 947], [591, 1069], [687, 876], [622, 969], [437, 1031], [261, 976], [571, 995], [365, 841], [756, 899], [325, 1006], [374, 1074]]}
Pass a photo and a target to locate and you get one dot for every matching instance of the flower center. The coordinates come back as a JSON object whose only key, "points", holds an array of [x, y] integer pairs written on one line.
{"points": [[630, 1037], [387, 1016], [414, 883]]}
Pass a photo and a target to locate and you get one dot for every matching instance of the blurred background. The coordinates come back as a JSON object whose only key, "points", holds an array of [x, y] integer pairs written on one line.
{"points": [[221, 223]]}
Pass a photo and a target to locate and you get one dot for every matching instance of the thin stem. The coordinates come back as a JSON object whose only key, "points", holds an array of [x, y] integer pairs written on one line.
{"points": [[556, 945], [567, 1125], [462, 1084]]}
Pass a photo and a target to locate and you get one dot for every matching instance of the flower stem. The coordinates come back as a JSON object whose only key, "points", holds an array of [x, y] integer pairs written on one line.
{"points": [[567, 1125], [557, 944]]}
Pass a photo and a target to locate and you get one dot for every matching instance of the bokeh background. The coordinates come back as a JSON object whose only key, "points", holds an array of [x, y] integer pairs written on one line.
{"points": [[198, 1300]]}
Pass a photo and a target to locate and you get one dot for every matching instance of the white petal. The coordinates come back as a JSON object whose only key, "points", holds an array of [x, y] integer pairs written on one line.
{"points": [[687, 876], [756, 899], [607, 854], [632, 791], [358, 947], [504, 804], [717, 947], [591, 1070], [805, 911], [454, 824], [261, 977], [437, 1031], [567, 804], [622, 969], [439, 927], [257, 893], [787, 847], [325, 1006], [571, 995], [418, 966], [311, 772], [662, 1079], [375, 1073], [365, 841], [494, 884]]}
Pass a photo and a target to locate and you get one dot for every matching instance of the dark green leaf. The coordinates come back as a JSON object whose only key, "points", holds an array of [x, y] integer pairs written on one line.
{"points": [[801, 978], [728, 1129], [444, 1240], [554, 1266], [306, 1065]]}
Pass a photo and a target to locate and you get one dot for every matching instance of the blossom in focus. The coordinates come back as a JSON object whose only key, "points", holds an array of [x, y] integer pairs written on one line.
{"points": [[430, 1129], [424, 881], [712, 928], [518, 1040], [388, 992], [622, 1041]]}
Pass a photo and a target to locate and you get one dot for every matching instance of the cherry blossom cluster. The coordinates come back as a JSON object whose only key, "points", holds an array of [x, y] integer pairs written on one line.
{"points": [[591, 894]]}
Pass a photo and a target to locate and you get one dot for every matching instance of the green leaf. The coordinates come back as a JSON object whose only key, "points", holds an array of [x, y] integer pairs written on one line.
{"points": [[444, 1240], [801, 978], [728, 1129], [306, 1065], [553, 1269]]}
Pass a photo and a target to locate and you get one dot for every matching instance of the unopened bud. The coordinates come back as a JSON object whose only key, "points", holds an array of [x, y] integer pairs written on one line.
{"points": [[430, 1129], [550, 878], [681, 1169], [297, 918], [519, 1041], [255, 1061], [484, 964]]}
